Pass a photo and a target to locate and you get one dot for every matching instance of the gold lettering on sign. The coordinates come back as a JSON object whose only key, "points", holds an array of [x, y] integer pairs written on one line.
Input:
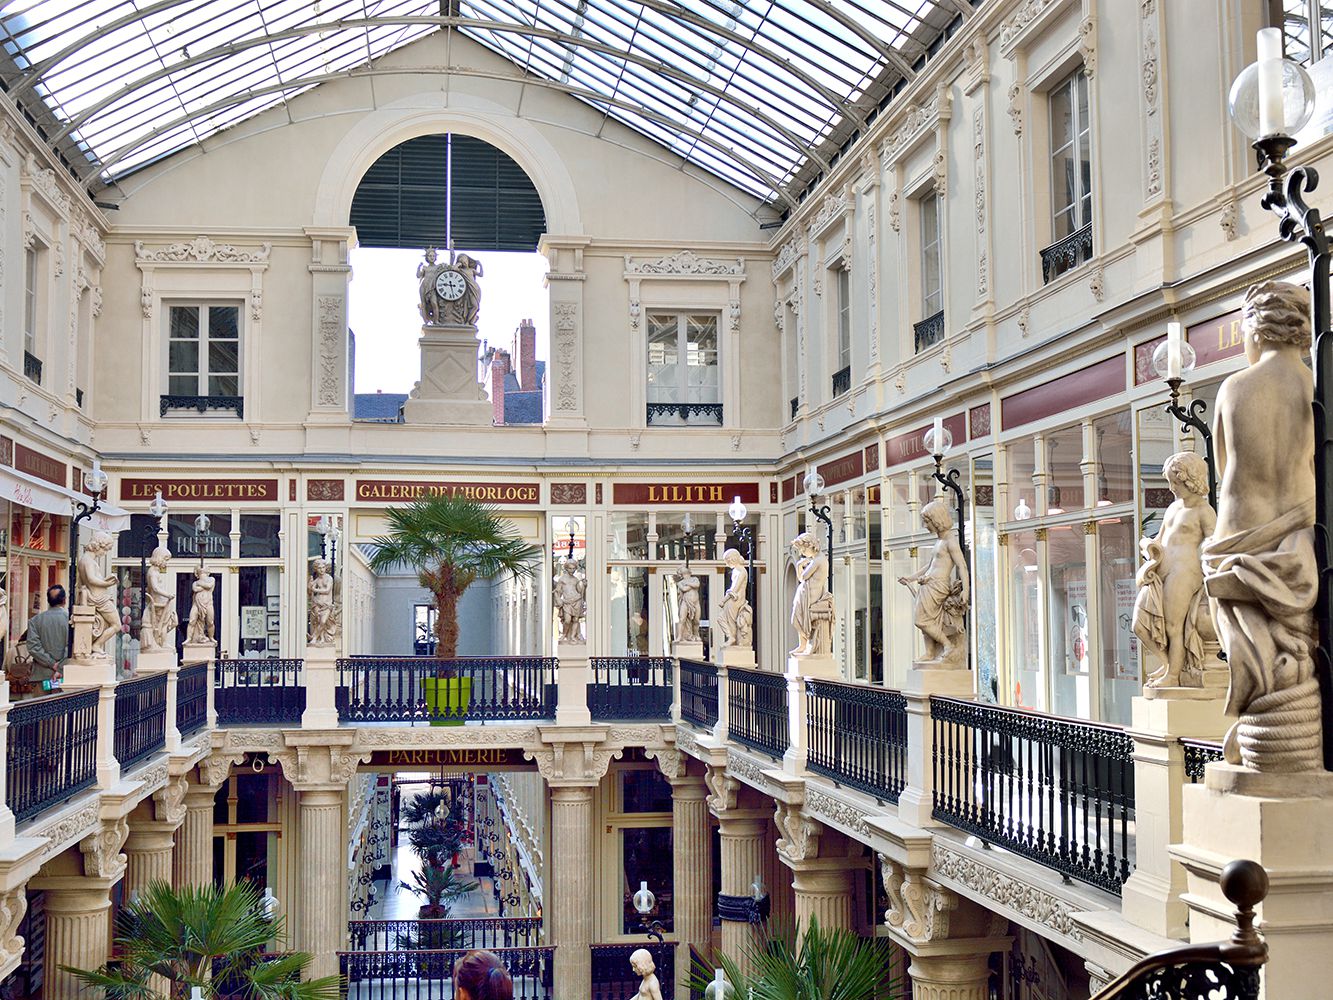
{"points": [[1229, 335], [448, 758], [684, 494]]}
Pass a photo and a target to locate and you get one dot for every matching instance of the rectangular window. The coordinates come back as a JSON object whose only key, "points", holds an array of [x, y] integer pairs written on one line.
{"points": [[844, 318], [932, 282], [1295, 17], [30, 271], [683, 382], [1071, 157], [204, 350]]}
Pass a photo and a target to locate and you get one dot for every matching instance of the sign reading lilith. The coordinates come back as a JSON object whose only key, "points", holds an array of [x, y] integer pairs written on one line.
{"points": [[450, 295]]}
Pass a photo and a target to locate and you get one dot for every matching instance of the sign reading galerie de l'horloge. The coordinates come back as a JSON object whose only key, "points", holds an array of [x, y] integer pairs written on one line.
{"points": [[409, 490]]}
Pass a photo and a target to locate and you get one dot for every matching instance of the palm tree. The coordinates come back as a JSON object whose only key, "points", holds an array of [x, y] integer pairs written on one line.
{"points": [[208, 936], [452, 542], [826, 964]]}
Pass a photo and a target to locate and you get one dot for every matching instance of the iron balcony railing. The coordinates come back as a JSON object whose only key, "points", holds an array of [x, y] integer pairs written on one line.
{"points": [[52, 751], [630, 687], [202, 404], [141, 719], [1066, 254], [757, 710], [842, 381], [428, 974], [1058, 791], [613, 979], [191, 699], [929, 332], [1198, 755], [442, 692], [698, 693], [32, 367], [451, 932], [693, 414], [857, 735], [258, 692]]}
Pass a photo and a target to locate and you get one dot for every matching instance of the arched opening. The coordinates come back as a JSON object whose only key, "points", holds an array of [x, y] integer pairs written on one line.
{"points": [[460, 194]]}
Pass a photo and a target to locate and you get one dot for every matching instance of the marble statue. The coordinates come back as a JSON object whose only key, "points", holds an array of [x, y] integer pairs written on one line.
{"points": [[431, 304], [468, 308], [449, 293], [812, 608], [98, 592], [1259, 565], [325, 623], [199, 629], [571, 603], [688, 607], [734, 615], [642, 964], [940, 594], [1170, 615], [158, 624]]}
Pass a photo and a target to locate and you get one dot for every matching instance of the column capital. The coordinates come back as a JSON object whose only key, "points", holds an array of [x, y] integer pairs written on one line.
{"points": [[671, 762], [102, 857], [216, 767], [169, 801], [328, 765], [798, 834], [582, 760]]}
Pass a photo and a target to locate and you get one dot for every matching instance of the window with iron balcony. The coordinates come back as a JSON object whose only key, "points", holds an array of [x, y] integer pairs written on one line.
{"points": [[203, 359], [1071, 178]]}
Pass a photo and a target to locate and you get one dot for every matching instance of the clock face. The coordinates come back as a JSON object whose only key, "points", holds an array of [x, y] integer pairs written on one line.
{"points": [[449, 285]]}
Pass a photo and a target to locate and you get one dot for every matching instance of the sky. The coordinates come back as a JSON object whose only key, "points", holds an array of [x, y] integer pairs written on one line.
{"points": [[383, 311]]}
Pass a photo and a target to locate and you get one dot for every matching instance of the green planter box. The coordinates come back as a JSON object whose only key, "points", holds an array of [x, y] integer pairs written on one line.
{"points": [[448, 699]]}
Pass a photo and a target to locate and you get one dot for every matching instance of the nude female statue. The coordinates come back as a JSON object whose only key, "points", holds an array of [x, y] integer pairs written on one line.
{"points": [[939, 593], [812, 607], [642, 964], [99, 592]]}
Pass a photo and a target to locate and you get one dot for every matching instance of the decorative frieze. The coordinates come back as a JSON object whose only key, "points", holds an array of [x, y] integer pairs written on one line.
{"points": [[331, 334], [45, 182], [1028, 900], [830, 210], [685, 264], [917, 119], [565, 329], [200, 250], [835, 811], [786, 257], [747, 769], [1027, 14]]}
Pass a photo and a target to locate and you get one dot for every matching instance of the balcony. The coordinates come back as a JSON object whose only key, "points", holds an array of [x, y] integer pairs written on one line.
{"points": [[32, 367], [630, 688], [258, 692], [202, 404], [929, 332], [698, 693], [419, 689], [192, 699], [842, 381], [758, 710], [1070, 252], [141, 707], [52, 751], [684, 415]]}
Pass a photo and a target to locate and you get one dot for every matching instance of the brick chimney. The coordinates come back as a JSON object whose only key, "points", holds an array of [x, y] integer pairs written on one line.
{"points": [[499, 369], [525, 348]]}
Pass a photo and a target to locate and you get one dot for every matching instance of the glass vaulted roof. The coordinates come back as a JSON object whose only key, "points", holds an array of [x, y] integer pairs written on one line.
{"points": [[761, 93]]}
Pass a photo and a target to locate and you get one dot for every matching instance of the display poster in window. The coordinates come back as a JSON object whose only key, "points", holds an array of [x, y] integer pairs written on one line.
{"points": [[252, 622], [1126, 667], [1076, 625]]}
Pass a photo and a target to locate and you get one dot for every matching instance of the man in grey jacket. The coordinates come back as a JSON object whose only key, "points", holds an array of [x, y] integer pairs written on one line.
{"points": [[48, 640]]}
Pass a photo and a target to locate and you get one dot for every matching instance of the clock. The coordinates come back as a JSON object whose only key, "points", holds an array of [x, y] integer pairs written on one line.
{"points": [[450, 285]]}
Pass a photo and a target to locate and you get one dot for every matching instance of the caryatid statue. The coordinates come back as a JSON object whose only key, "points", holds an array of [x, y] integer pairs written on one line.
{"points": [[570, 600], [158, 624], [1170, 614], [449, 293], [688, 608], [1259, 565], [99, 592], [734, 614], [940, 593], [812, 610], [325, 617]]}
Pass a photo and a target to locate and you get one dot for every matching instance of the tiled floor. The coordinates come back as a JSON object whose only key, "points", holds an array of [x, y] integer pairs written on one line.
{"points": [[399, 904]]}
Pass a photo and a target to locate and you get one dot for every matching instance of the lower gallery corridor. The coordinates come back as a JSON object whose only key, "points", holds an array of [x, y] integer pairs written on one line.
{"points": [[665, 499]]}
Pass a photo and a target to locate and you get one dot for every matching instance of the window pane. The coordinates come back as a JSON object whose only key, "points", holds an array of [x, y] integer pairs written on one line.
{"points": [[1069, 633], [663, 354], [222, 322], [183, 385], [184, 322], [1063, 190], [1115, 458], [222, 357], [1062, 116], [252, 798], [224, 385], [644, 792], [1022, 466], [646, 854], [1119, 645], [183, 356], [1064, 472], [259, 536]]}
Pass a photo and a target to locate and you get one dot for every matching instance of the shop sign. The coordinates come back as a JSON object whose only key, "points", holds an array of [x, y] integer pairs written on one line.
{"points": [[684, 493], [1105, 378], [34, 463], [411, 490], [200, 490], [1213, 340], [842, 469], [911, 445], [489, 757], [789, 488]]}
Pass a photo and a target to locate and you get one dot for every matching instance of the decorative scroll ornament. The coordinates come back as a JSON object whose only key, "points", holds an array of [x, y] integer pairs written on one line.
{"points": [[786, 257], [722, 789], [941, 172], [1015, 108], [1229, 220], [892, 875], [798, 834], [672, 763], [746, 769], [831, 208], [44, 180], [330, 340], [1097, 283], [169, 801], [201, 250], [1087, 46], [895, 212], [101, 851], [1027, 12], [13, 906], [915, 121], [686, 262], [928, 907]]}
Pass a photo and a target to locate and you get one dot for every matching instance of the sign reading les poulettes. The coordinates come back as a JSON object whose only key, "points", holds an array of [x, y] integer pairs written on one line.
{"points": [[201, 490]]}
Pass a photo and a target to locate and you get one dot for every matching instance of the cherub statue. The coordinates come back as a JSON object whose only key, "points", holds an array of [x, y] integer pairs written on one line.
{"points": [[734, 615], [325, 621], [812, 608], [687, 590], [159, 620], [642, 964], [99, 592], [1170, 616], [199, 629], [939, 593], [430, 307], [570, 600], [1259, 565]]}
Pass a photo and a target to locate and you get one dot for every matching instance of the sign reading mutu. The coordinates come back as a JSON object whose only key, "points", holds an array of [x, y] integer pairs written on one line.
{"points": [[408, 490], [488, 757]]}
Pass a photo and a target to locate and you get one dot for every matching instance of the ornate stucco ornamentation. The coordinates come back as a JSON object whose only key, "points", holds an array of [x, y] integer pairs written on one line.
{"points": [[1087, 45], [13, 906], [201, 250], [892, 875], [62, 832], [979, 155], [915, 121], [830, 209], [786, 257], [1016, 108], [566, 352], [722, 789], [44, 180], [1032, 902], [101, 850], [146, 302], [895, 212], [686, 262], [1027, 12], [169, 800], [747, 769], [214, 769], [836, 811], [928, 905], [445, 738], [687, 742], [1097, 283], [1229, 220], [798, 834], [672, 763], [941, 172], [577, 763]]}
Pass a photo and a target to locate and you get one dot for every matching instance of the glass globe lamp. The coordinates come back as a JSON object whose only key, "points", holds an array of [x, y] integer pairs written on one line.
{"points": [[813, 483], [1161, 356], [737, 510], [938, 444], [158, 508], [1273, 96], [644, 900]]}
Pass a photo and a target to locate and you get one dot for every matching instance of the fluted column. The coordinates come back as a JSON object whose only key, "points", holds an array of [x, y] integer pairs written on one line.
{"points": [[963, 976], [823, 891], [322, 924], [742, 833], [692, 875], [77, 932], [572, 889], [192, 863], [148, 855]]}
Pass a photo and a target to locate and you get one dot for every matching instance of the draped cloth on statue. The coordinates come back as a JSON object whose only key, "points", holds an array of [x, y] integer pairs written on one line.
{"points": [[1262, 584]]}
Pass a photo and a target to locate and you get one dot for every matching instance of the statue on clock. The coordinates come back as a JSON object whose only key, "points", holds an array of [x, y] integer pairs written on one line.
{"points": [[450, 295]]}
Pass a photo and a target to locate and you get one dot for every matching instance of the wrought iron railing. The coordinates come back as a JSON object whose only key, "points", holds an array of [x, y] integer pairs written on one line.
{"points": [[709, 414], [857, 735], [698, 693], [795, 406], [52, 751], [258, 692], [1059, 791], [388, 975], [757, 710], [1067, 254], [929, 332], [612, 977], [32, 367], [842, 381], [438, 691], [191, 699], [141, 719], [630, 687], [451, 932], [1198, 755], [202, 404]]}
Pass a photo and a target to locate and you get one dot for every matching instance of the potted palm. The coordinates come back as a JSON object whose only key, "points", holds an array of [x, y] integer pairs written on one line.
{"points": [[451, 542], [210, 936]]}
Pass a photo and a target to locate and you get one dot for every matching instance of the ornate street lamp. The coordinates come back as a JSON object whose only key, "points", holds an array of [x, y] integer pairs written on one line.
{"points": [[200, 529], [743, 531], [571, 526], [814, 487], [938, 440], [644, 901], [1172, 361], [156, 510], [329, 534], [94, 482], [1270, 101]]}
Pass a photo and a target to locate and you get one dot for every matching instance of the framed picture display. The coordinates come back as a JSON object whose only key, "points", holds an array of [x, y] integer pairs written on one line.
{"points": [[273, 625], [272, 642], [272, 602], [252, 622]]}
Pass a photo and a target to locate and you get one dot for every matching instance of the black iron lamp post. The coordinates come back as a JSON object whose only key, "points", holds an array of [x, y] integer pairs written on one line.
{"points": [[94, 482], [156, 510], [745, 533], [1270, 101], [814, 488], [1173, 360], [329, 534], [200, 530], [688, 527], [644, 901], [938, 440], [572, 527]]}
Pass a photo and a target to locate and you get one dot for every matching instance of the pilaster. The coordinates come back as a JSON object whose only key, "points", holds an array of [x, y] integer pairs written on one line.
{"points": [[916, 802], [330, 271], [572, 890], [321, 685]]}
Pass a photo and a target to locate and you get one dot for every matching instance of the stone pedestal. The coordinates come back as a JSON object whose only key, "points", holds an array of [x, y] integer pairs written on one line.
{"points": [[823, 667], [738, 656], [87, 671], [192, 863], [321, 926], [572, 893], [1285, 823], [572, 689], [321, 686], [823, 888], [151, 660], [692, 877], [198, 652], [916, 802], [448, 391], [1161, 718], [688, 650], [743, 834]]}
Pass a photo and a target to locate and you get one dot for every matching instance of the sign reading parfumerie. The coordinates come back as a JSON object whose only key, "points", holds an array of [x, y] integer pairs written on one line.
{"points": [[466, 759], [408, 490]]}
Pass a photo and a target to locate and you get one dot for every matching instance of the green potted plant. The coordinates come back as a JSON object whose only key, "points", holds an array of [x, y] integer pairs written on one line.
{"points": [[451, 542]]}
